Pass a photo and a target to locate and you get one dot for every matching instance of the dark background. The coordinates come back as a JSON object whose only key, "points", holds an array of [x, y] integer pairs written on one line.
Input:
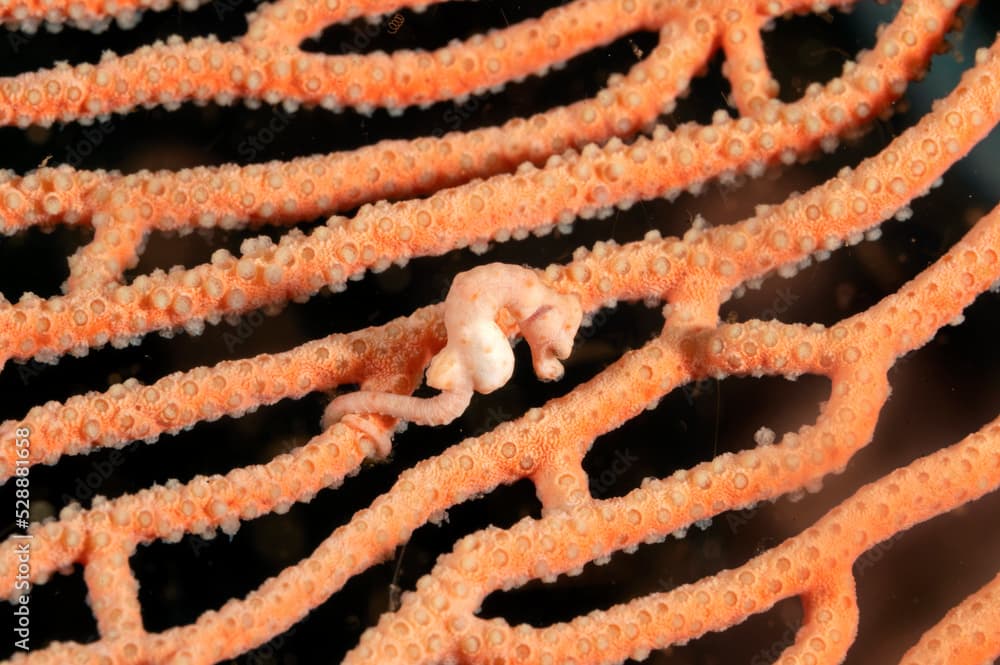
{"points": [[940, 393]]}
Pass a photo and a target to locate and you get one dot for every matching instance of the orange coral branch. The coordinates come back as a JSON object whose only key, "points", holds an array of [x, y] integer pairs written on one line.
{"points": [[970, 633], [698, 272], [816, 564], [383, 234], [539, 454], [261, 67], [547, 445]]}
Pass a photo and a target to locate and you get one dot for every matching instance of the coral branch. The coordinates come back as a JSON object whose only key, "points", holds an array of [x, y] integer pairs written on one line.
{"points": [[468, 190], [970, 633], [816, 563], [587, 185]]}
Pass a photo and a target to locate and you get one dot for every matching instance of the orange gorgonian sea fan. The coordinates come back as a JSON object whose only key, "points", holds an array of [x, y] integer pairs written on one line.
{"points": [[677, 337]]}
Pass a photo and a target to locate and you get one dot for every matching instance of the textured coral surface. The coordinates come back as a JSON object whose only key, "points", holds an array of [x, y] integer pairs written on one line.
{"points": [[940, 393]]}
